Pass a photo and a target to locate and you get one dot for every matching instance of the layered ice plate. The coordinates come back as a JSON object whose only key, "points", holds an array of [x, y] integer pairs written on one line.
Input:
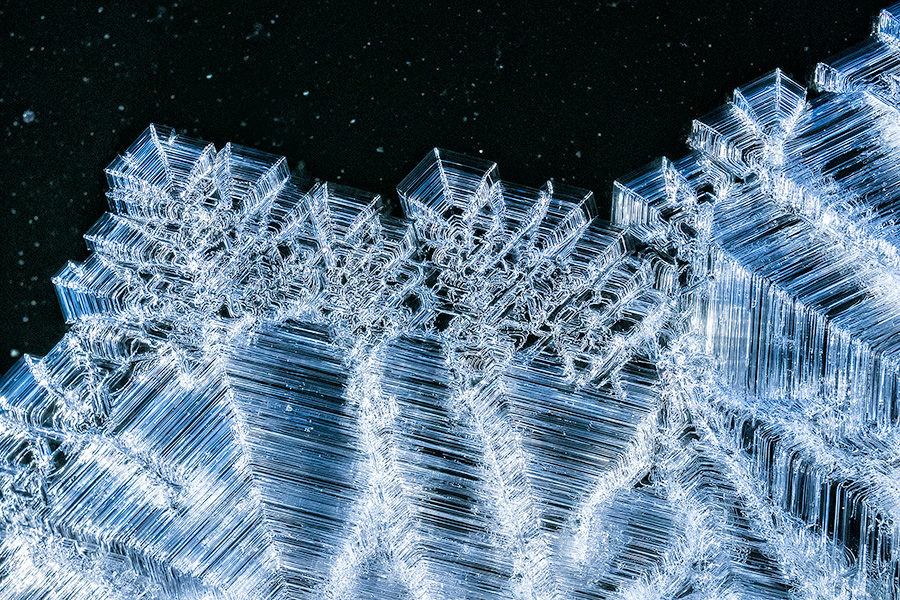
{"points": [[273, 389]]}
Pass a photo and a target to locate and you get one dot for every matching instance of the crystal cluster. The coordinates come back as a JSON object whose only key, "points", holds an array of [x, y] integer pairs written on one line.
{"points": [[275, 390]]}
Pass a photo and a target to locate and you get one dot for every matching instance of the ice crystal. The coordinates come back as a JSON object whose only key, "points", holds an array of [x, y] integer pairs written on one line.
{"points": [[277, 390]]}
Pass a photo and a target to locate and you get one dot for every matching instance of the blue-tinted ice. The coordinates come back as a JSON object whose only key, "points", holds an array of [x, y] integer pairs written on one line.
{"points": [[271, 390]]}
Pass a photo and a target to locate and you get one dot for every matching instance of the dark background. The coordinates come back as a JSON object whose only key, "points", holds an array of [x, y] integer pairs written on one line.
{"points": [[580, 92]]}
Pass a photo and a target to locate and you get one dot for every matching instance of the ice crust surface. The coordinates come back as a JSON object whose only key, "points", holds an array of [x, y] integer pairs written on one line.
{"points": [[276, 390]]}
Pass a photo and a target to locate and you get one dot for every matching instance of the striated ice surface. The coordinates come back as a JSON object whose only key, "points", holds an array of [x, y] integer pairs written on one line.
{"points": [[273, 390]]}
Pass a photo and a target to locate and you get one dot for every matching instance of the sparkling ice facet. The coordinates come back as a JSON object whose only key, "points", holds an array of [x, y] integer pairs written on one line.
{"points": [[272, 390]]}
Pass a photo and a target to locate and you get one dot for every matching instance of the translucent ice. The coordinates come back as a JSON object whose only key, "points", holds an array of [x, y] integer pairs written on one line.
{"points": [[277, 391]]}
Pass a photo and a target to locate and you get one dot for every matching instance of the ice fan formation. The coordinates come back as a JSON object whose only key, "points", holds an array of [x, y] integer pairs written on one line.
{"points": [[278, 391]]}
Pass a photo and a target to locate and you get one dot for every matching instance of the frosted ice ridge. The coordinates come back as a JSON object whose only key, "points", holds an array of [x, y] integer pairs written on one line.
{"points": [[272, 390]]}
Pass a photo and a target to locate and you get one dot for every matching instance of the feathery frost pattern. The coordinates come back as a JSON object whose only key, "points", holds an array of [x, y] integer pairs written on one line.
{"points": [[280, 390]]}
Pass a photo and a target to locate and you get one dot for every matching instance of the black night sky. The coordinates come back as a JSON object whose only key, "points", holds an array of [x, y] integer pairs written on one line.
{"points": [[359, 92]]}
